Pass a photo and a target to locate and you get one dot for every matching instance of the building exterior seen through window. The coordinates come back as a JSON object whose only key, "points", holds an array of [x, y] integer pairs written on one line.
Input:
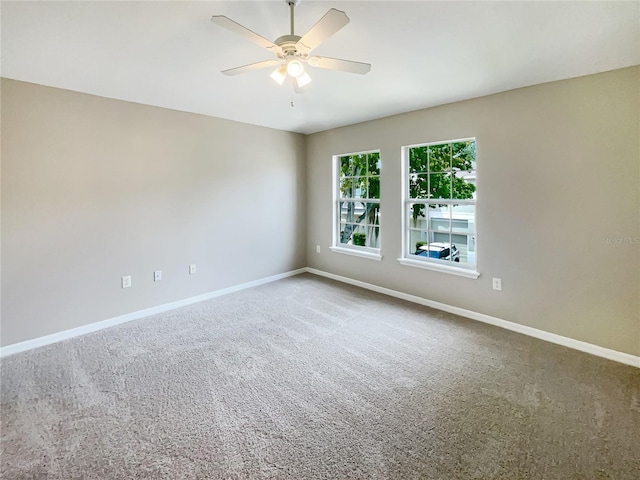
{"points": [[358, 201], [440, 203]]}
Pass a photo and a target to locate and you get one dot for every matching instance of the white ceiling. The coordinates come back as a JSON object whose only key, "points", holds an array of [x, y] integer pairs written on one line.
{"points": [[423, 53]]}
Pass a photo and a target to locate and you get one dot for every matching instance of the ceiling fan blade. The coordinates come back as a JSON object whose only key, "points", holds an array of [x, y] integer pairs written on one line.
{"points": [[332, 21], [338, 64], [250, 67], [235, 27]]}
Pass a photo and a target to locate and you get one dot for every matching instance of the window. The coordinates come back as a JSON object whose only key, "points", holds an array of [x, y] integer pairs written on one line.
{"points": [[357, 204], [440, 206]]}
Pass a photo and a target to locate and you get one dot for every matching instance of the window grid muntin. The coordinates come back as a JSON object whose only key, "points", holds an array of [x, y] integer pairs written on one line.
{"points": [[427, 200], [370, 172]]}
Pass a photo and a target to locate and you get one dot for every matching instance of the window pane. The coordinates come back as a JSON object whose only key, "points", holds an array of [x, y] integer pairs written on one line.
{"points": [[417, 216], [346, 187], [345, 233], [359, 164], [439, 158], [462, 243], [463, 219], [374, 163], [417, 238], [464, 185], [348, 212], [373, 237], [359, 236], [440, 185], [373, 214], [346, 166], [440, 219], [463, 155], [441, 237], [359, 187], [343, 209], [374, 187], [418, 185], [463, 224], [418, 160], [442, 247], [348, 233]]}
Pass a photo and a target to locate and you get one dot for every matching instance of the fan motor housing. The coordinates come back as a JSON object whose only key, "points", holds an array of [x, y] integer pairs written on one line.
{"points": [[287, 40], [290, 46]]}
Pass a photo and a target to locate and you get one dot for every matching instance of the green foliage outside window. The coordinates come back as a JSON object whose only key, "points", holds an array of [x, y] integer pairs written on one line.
{"points": [[435, 171], [360, 179], [360, 239]]}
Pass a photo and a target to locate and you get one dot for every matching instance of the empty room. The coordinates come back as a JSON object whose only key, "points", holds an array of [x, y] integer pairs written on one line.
{"points": [[374, 240]]}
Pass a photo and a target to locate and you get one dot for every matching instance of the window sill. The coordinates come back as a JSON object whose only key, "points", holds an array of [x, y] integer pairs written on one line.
{"points": [[357, 253], [461, 272]]}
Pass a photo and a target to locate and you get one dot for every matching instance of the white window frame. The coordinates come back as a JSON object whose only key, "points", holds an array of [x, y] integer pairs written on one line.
{"points": [[336, 246], [408, 258]]}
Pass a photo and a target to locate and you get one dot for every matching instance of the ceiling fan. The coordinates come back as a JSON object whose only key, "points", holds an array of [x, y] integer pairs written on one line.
{"points": [[292, 51]]}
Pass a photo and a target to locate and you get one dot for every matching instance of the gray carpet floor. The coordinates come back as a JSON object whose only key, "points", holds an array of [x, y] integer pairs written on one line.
{"points": [[307, 378]]}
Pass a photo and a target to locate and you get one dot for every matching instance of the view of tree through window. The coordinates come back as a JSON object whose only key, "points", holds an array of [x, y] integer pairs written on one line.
{"points": [[441, 202], [359, 200]]}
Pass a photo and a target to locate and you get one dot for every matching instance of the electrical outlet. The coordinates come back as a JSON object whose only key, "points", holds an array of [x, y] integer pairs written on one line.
{"points": [[126, 281], [497, 284], [157, 275], [317, 248], [192, 269]]}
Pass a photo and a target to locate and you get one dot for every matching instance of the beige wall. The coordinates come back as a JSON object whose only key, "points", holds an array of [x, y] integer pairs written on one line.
{"points": [[558, 185], [93, 189]]}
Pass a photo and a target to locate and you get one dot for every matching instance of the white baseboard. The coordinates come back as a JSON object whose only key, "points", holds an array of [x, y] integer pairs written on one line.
{"points": [[93, 327], [516, 327], [607, 353]]}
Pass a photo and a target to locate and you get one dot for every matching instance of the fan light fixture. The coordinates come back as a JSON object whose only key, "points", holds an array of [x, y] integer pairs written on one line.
{"points": [[280, 74], [292, 51], [295, 68], [303, 79]]}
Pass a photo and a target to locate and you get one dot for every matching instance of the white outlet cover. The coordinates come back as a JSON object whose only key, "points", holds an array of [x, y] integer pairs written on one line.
{"points": [[157, 275], [192, 269], [126, 281]]}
